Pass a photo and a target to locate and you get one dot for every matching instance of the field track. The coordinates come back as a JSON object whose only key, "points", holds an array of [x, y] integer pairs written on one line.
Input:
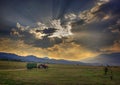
{"points": [[13, 69]]}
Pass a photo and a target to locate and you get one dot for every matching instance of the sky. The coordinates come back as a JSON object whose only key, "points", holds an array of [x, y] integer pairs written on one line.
{"points": [[60, 29]]}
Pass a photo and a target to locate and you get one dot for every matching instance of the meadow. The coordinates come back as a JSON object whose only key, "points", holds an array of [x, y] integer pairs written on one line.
{"points": [[15, 73]]}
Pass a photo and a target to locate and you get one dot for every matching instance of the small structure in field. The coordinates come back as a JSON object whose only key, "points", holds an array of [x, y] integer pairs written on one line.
{"points": [[44, 66], [31, 65]]}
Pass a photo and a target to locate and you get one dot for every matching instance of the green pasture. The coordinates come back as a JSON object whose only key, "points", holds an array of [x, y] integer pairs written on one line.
{"points": [[15, 73]]}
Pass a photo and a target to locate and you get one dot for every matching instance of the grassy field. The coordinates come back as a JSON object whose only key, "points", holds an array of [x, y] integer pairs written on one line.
{"points": [[15, 73]]}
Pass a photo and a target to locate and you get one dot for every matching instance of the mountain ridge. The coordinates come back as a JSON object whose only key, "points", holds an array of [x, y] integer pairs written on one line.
{"points": [[102, 59], [32, 58]]}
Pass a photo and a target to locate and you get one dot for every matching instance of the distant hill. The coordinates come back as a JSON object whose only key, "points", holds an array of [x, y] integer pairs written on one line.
{"points": [[31, 58], [10, 56], [103, 59], [111, 59]]}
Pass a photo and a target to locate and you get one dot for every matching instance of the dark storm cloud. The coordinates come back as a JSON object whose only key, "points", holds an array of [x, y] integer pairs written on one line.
{"points": [[112, 7], [60, 28], [49, 31], [28, 12], [29, 39], [99, 32], [93, 35], [33, 36], [46, 42]]}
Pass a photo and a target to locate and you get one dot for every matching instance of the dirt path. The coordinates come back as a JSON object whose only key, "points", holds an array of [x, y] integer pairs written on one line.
{"points": [[12, 69]]}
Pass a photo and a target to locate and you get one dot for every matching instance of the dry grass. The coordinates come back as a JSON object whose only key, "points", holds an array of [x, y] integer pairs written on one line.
{"points": [[56, 75]]}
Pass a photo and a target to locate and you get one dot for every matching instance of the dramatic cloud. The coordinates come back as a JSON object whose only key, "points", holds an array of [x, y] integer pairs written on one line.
{"points": [[19, 47], [70, 51], [42, 35], [60, 29], [116, 27], [94, 26], [81, 28], [114, 48]]}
